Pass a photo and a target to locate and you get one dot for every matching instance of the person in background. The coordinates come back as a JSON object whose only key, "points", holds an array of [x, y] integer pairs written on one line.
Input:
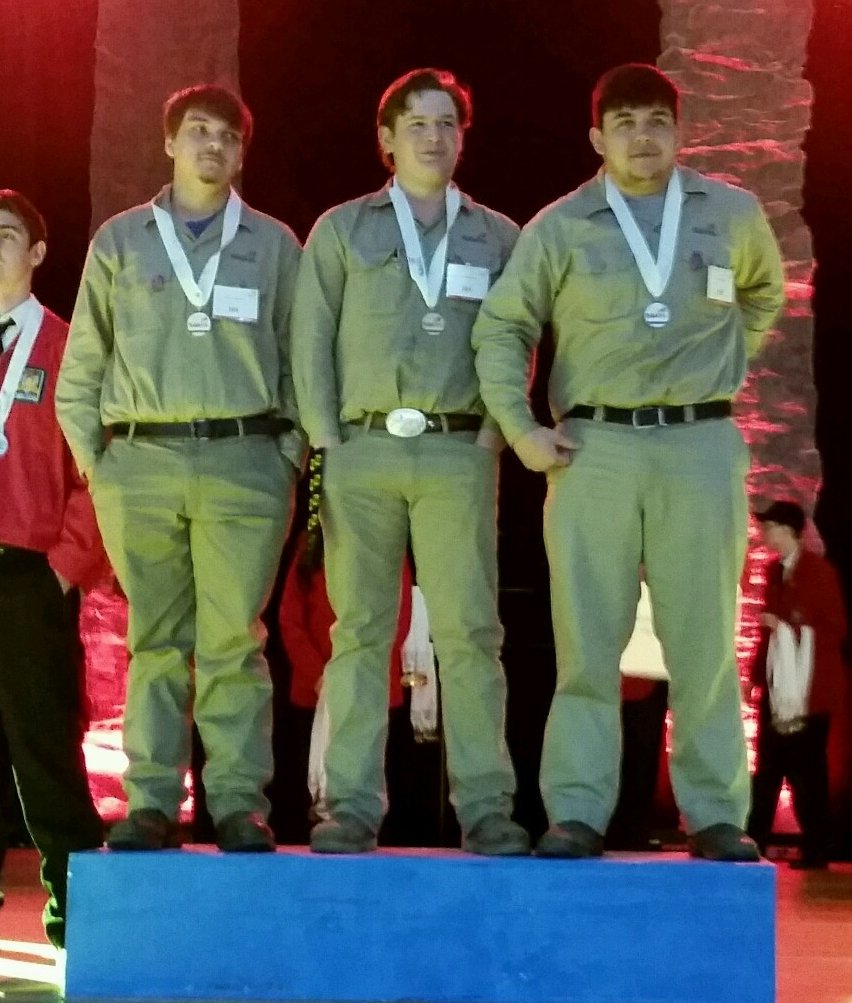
{"points": [[50, 548], [305, 618], [801, 679], [644, 701]]}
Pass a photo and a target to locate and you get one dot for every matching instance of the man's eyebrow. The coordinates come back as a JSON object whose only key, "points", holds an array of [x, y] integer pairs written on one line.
{"points": [[17, 227]]}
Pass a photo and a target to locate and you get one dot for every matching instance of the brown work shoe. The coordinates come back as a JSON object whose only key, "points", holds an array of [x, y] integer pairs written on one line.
{"points": [[145, 829], [572, 839], [244, 832], [723, 841], [497, 835], [342, 834]]}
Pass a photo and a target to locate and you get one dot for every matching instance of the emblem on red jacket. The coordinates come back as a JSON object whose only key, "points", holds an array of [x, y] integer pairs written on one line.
{"points": [[31, 387]]}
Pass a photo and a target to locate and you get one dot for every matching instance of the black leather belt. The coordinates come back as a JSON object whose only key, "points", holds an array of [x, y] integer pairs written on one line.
{"points": [[205, 428], [651, 417], [426, 422]]}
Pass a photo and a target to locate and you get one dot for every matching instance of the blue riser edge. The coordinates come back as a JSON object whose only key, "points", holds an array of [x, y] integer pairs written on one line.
{"points": [[432, 926]]}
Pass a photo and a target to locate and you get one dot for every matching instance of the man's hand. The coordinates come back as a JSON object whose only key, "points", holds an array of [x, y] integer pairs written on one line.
{"points": [[544, 448], [769, 620], [490, 438], [64, 584]]}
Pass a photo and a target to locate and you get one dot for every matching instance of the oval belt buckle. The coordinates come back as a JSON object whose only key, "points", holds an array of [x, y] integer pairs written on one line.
{"points": [[405, 422]]}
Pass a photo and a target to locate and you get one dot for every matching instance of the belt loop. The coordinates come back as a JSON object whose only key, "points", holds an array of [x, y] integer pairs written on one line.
{"points": [[368, 421], [445, 425], [131, 430], [689, 412], [599, 414], [240, 429]]}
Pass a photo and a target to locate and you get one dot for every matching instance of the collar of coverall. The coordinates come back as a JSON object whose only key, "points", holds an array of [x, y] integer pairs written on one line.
{"points": [[382, 198], [591, 197], [163, 199]]}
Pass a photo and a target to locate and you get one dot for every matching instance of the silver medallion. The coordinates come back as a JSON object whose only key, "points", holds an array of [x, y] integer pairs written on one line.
{"points": [[657, 314], [405, 422], [433, 323], [198, 323]]}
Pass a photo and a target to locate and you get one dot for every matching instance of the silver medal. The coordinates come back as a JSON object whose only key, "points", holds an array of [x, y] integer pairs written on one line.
{"points": [[433, 323], [4, 444], [198, 323], [657, 315]]}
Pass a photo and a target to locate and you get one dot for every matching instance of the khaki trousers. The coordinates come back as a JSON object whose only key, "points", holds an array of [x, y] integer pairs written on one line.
{"points": [[442, 489], [671, 499], [194, 529]]}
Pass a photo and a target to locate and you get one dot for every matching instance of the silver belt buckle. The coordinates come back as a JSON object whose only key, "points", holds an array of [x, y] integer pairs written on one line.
{"points": [[405, 422]]}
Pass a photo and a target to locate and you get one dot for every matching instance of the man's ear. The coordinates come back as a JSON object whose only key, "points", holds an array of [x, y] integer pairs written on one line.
{"points": [[37, 253], [596, 139], [168, 146], [386, 140]]}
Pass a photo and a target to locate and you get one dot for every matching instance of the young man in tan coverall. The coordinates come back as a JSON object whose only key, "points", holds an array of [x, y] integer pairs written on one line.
{"points": [[176, 399], [388, 290]]}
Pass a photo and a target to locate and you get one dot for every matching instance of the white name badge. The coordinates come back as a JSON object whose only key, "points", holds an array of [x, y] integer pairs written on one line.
{"points": [[720, 284], [467, 282], [236, 303]]}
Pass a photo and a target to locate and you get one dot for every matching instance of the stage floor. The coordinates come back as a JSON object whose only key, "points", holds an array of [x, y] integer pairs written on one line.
{"points": [[814, 946]]}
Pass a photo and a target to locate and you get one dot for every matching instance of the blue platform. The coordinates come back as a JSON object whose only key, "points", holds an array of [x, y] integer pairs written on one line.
{"points": [[437, 926]]}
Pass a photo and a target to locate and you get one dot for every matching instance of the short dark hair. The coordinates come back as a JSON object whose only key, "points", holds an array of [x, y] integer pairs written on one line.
{"points": [[394, 101], [785, 512], [633, 85], [213, 99], [19, 205]]}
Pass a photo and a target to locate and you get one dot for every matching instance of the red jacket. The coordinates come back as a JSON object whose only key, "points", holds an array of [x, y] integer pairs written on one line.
{"points": [[810, 597], [44, 503], [305, 618]]}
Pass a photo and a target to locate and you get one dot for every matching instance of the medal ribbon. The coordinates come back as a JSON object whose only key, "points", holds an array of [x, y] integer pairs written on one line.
{"points": [[428, 282], [198, 293], [655, 274], [24, 341]]}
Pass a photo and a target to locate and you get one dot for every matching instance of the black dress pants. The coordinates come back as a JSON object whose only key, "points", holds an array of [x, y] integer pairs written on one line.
{"points": [[801, 758], [13, 830], [42, 709]]}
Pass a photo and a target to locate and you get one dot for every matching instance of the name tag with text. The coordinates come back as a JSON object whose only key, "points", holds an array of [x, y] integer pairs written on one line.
{"points": [[720, 284], [236, 303], [467, 282]]}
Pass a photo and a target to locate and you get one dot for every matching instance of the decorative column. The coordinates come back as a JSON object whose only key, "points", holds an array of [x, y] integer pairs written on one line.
{"points": [[746, 109], [146, 49]]}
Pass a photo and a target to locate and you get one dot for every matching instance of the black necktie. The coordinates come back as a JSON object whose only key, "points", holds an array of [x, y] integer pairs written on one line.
{"points": [[4, 327]]}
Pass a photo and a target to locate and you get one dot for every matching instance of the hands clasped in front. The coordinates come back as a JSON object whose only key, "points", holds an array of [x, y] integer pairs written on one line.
{"points": [[543, 448]]}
